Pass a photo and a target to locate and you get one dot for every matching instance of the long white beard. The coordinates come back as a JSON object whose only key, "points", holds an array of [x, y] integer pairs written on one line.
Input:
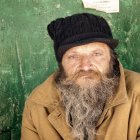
{"points": [[84, 106]]}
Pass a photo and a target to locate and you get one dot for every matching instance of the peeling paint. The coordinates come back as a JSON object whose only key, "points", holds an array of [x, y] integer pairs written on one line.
{"points": [[20, 64], [58, 6]]}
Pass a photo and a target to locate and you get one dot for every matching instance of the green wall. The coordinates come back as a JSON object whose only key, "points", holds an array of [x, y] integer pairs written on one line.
{"points": [[26, 53]]}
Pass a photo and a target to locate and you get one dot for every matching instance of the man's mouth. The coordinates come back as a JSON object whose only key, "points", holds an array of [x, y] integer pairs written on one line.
{"points": [[86, 75]]}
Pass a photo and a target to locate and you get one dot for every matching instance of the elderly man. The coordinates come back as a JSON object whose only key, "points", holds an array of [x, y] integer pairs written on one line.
{"points": [[91, 96]]}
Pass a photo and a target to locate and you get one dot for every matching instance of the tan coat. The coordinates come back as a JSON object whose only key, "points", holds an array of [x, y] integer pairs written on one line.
{"points": [[44, 119]]}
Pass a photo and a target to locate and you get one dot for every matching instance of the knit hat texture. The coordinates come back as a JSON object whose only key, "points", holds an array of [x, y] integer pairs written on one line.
{"points": [[79, 29]]}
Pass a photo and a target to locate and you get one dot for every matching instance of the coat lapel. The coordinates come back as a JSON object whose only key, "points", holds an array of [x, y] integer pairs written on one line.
{"points": [[120, 97], [57, 119]]}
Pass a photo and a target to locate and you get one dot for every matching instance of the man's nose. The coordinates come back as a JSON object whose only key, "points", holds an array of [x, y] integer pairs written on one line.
{"points": [[85, 63]]}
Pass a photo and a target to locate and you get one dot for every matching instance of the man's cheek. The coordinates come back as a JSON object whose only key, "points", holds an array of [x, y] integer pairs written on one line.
{"points": [[71, 71]]}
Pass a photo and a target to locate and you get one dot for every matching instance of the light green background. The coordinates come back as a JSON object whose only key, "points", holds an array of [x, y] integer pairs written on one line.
{"points": [[26, 53]]}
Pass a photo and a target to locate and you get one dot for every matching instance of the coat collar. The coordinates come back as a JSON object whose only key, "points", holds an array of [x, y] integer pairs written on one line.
{"points": [[48, 96], [121, 92], [120, 96]]}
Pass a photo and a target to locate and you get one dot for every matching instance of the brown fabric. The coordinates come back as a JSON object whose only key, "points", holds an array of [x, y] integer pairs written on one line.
{"points": [[44, 119]]}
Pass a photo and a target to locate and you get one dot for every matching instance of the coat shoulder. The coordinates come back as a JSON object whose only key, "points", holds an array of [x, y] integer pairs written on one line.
{"points": [[46, 93], [132, 80]]}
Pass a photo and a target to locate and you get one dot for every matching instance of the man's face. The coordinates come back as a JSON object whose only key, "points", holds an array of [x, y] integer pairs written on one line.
{"points": [[86, 81], [84, 64]]}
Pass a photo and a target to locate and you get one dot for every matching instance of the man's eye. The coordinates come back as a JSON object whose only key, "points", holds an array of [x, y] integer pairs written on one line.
{"points": [[97, 54], [72, 57]]}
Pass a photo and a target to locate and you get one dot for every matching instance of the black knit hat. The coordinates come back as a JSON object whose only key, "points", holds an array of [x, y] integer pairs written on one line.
{"points": [[79, 29]]}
